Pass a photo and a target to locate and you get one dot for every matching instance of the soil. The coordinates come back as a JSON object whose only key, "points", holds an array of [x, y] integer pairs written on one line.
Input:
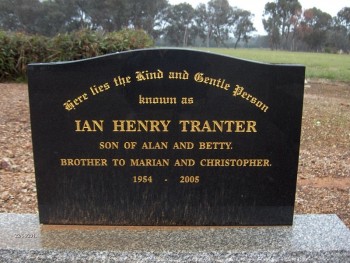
{"points": [[324, 166]]}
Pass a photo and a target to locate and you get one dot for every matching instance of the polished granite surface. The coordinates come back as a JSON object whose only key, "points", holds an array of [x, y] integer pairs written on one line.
{"points": [[312, 238]]}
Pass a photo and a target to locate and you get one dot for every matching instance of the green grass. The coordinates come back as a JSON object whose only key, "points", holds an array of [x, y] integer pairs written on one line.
{"points": [[318, 65]]}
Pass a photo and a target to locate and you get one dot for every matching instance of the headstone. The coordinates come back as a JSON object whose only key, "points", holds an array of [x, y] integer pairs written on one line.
{"points": [[166, 137]]}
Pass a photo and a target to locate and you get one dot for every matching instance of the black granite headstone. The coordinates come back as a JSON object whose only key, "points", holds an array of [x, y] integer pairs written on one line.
{"points": [[166, 137]]}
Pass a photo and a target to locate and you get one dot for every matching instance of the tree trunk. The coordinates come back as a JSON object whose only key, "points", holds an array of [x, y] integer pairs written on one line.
{"points": [[238, 39]]}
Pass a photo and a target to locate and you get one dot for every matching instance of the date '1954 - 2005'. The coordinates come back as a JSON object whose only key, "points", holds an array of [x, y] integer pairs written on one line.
{"points": [[182, 179]]}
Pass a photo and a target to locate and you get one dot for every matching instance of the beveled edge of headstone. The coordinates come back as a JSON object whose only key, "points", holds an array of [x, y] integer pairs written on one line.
{"points": [[162, 49]]}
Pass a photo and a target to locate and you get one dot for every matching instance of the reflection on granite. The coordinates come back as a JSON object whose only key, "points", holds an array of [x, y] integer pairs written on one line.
{"points": [[315, 238]]}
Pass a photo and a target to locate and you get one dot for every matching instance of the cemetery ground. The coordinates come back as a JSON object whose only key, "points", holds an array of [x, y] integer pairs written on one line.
{"points": [[324, 166]]}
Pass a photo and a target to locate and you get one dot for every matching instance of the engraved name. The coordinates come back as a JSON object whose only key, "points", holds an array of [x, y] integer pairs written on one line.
{"points": [[223, 126]]}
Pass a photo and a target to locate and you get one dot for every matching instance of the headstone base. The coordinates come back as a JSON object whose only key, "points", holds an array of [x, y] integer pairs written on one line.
{"points": [[312, 238]]}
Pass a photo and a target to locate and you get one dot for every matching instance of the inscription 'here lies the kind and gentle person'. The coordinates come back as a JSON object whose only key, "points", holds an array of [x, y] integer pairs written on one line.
{"points": [[145, 76]]}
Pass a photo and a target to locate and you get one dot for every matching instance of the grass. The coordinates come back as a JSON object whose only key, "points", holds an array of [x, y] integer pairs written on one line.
{"points": [[318, 65]]}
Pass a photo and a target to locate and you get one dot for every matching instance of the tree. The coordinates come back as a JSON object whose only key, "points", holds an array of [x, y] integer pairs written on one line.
{"points": [[344, 19], [203, 24], [214, 21], [9, 19], [143, 14], [39, 17], [272, 24], [315, 25], [338, 38], [56, 17], [290, 13], [281, 18], [20, 15], [244, 26], [180, 21], [108, 15], [221, 18]]}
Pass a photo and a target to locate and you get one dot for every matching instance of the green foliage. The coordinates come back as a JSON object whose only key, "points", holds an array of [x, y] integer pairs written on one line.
{"points": [[50, 17], [17, 50]]}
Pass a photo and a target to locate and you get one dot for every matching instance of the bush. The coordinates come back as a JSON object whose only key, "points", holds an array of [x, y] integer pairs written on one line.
{"points": [[17, 50]]}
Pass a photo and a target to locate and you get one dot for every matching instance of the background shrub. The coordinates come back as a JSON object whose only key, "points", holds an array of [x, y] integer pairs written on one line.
{"points": [[17, 50]]}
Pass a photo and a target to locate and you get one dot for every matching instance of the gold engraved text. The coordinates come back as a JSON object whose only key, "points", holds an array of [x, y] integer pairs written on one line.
{"points": [[154, 145], [157, 100], [71, 104], [149, 162], [219, 83], [146, 75], [89, 126], [122, 81], [98, 89], [235, 162], [217, 126], [239, 91], [83, 162], [179, 75], [141, 125]]}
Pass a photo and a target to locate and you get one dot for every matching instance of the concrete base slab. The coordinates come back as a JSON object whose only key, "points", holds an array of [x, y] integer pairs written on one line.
{"points": [[312, 238]]}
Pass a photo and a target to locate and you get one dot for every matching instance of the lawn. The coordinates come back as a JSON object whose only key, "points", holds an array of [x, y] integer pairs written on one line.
{"points": [[318, 65]]}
